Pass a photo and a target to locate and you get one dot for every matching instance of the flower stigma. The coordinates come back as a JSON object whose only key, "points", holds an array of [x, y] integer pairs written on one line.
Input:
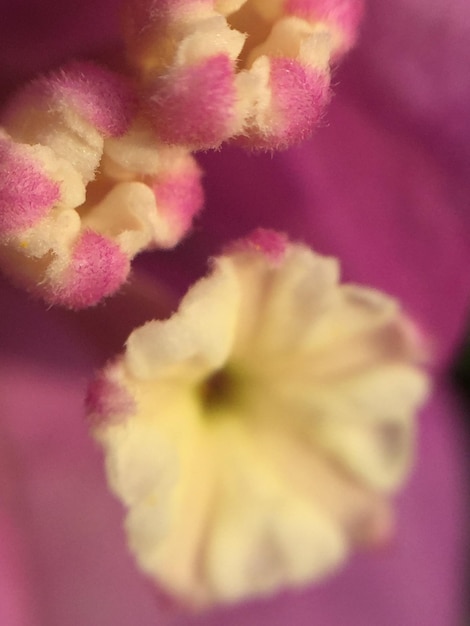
{"points": [[257, 436]]}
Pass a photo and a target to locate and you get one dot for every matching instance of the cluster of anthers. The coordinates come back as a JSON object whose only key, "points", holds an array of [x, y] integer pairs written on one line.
{"points": [[86, 186], [97, 166], [256, 436]]}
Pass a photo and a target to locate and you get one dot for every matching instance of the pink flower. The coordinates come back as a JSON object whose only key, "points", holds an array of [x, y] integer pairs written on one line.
{"points": [[387, 181]]}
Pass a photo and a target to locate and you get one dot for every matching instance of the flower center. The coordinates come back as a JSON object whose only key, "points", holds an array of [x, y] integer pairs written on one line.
{"points": [[220, 391], [108, 206], [248, 20]]}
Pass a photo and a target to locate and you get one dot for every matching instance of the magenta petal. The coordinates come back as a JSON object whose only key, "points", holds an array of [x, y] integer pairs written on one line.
{"points": [[17, 605], [73, 541], [414, 64], [37, 36]]}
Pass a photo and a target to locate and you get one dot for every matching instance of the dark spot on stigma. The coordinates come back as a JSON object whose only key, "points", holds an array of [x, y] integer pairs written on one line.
{"points": [[218, 390]]}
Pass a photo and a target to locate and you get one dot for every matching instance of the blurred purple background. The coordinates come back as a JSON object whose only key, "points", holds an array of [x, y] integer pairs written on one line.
{"points": [[383, 184]]}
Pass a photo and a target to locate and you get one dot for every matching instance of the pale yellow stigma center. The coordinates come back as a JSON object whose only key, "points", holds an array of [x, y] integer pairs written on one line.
{"points": [[225, 392]]}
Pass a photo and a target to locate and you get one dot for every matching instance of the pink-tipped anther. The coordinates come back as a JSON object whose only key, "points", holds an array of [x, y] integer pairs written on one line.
{"points": [[86, 187], [257, 70], [72, 111], [101, 97], [299, 96], [97, 268], [344, 16], [194, 105], [179, 196], [27, 192]]}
